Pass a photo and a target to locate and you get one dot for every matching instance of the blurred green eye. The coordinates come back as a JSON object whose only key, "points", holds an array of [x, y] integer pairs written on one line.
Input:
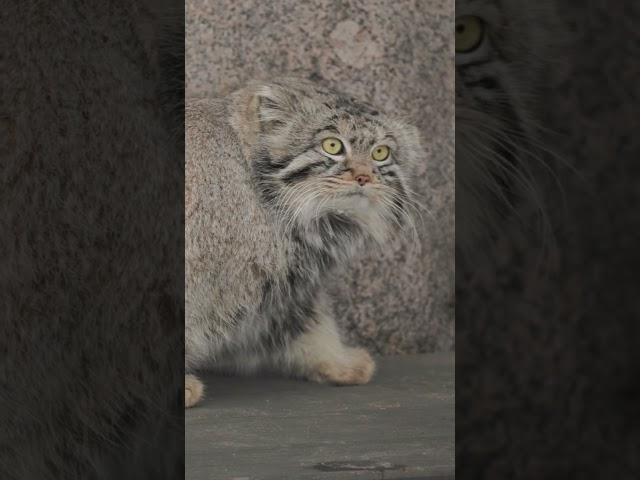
{"points": [[380, 153], [469, 33], [332, 146]]}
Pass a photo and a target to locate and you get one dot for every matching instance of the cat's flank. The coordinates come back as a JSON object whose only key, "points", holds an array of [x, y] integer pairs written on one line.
{"points": [[285, 182]]}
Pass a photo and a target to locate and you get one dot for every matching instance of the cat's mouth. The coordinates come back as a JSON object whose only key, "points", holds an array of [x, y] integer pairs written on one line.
{"points": [[357, 198], [351, 188]]}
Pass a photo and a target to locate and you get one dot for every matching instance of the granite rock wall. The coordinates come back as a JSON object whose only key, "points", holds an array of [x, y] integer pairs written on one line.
{"points": [[398, 55]]}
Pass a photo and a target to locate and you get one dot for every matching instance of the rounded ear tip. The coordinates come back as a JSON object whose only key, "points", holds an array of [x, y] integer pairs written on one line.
{"points": [[254, 88], [263, 90]]}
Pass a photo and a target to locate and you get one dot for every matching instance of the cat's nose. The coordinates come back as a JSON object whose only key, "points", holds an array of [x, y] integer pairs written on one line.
{"points": [[363, 179], [361, 174]]}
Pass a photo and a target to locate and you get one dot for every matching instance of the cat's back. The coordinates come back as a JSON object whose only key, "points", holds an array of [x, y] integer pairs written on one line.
{"points": [[213, 159], [229, 239], [212, 148]]}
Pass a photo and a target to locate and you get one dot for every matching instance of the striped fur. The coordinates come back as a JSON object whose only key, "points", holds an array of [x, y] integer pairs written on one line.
{"points": [[270, 216]]}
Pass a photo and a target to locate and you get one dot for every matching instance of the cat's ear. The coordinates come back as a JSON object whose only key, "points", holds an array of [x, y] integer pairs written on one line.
{"points": [[273, 105], [262, 109], [411, 141]]}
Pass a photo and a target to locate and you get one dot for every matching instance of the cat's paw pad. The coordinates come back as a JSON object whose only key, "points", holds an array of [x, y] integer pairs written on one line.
{"points": [[355, 367], [193, 390]]}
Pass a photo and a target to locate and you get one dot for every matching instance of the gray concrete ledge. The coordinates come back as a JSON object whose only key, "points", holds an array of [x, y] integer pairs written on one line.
{"points": [[400, 426]]}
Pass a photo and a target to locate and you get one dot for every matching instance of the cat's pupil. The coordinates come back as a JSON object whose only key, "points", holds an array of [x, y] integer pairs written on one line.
{"points": [[459, 28]]}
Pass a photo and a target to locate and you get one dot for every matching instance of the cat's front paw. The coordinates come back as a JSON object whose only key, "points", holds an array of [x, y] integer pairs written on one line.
{"points": [[193, 390], [354, 367]]}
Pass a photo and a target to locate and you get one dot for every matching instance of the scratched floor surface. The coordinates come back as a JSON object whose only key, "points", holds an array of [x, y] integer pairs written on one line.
{"points": [[401, 426]]}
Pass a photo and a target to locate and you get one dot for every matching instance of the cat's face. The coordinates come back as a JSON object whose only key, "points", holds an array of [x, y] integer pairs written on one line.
{"points": [[328, 164], [501, 46]]}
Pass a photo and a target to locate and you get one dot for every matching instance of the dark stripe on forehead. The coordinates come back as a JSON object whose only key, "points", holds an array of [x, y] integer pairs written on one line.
{"points": [[351, 106], [373, 121], [333, 119], [327, 128]]}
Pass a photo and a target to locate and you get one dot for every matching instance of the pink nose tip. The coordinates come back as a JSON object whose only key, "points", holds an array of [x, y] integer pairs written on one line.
{"points": [[363, 179]]}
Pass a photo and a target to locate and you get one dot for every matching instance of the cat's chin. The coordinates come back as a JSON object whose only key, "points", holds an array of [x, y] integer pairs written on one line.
{"points": [[356, 201], [353, 221], [367, 219]]}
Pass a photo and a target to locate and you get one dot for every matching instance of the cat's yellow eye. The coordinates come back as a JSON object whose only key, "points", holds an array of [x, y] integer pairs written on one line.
{"points": [[380, 153], [332, 146], [469, 33]]}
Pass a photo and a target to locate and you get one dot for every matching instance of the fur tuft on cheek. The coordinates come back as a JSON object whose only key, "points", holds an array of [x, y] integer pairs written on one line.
{"points": [[302, 204], [367, 213], [374, 215]]}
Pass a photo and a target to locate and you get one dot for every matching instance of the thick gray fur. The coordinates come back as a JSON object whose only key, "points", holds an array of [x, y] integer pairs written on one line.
{"points": [[90, 283], [269, 218], [499, 87]]}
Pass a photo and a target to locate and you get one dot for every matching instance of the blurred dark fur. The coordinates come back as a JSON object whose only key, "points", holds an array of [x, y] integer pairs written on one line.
{"points": [[92, 239]]}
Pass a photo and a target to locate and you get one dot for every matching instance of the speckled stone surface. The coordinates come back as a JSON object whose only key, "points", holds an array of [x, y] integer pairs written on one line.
{"points": [[398, 55]]}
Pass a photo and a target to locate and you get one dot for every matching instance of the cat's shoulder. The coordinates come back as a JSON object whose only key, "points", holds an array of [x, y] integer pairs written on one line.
{"points": [[209, 135], [204, 114]]}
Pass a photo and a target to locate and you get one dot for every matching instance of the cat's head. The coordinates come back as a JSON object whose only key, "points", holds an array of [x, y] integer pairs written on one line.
{"points": [[327, 164], [503, 47]]}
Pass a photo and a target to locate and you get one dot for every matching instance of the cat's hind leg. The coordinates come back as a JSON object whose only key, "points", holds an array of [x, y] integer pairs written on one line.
{"points": [[319, 355]]}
